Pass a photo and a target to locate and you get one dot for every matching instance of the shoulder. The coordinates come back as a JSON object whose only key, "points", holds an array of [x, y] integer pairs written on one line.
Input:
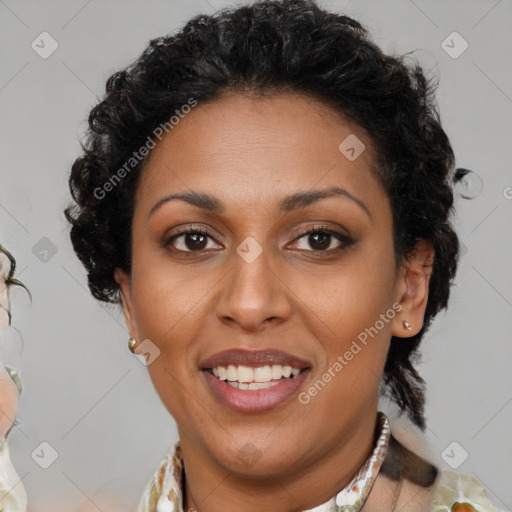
{"points": [[451, 492], [165, 483], [459, 492], [153, 489]]}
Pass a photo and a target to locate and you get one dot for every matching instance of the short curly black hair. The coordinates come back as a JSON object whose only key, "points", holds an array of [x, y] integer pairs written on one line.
{"points": [[268, 47]]}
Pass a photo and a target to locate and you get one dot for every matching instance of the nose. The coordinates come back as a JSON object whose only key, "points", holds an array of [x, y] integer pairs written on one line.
{"points": [[254, 295]]}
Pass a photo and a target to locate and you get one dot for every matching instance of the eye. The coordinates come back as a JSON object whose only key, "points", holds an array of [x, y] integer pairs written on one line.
{"points": [[190, 239], [319, 238], [323, 239]]}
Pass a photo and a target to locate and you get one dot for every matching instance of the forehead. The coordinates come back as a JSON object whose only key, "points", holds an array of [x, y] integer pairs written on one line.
{"points": [[242, 145]]}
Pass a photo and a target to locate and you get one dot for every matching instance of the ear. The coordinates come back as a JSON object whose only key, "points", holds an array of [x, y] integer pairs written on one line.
{"points": [[412, 289], [125, 289]]}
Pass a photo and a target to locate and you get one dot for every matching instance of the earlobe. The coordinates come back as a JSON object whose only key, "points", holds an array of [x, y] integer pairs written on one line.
{"points": [[412, 290], [123, 280]]}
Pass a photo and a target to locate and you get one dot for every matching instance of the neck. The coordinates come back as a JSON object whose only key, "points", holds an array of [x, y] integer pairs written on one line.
{"points": [[212, 487]]}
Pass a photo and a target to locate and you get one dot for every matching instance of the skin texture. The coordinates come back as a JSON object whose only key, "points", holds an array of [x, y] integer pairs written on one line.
{"points": [[297, 296]]}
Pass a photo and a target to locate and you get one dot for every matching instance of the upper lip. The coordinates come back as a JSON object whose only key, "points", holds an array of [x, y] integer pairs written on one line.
{"points": [[253, 358]]}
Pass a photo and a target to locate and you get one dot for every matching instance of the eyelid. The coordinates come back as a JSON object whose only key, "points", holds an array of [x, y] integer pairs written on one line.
{"points": [[184, 230], [345, 239], [325, 226]]}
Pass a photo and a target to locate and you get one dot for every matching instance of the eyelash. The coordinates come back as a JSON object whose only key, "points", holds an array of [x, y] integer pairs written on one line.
{"points": [[346, 240]]}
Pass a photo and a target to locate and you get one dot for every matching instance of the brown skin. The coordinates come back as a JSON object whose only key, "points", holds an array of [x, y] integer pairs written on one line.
{"points": [[250, 152]]}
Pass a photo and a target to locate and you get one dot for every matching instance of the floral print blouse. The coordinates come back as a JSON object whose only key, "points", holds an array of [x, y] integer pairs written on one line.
{"points": [[455, 492]]}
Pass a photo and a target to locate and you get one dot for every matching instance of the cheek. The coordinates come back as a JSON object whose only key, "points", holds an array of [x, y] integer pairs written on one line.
{"points": [[352, 296], [168, 309], [164, 297], [354, 332], [353, 316], [170, 305]]}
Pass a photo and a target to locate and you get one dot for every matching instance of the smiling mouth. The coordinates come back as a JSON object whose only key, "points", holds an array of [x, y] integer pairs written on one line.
{"points": [[254, 378]]}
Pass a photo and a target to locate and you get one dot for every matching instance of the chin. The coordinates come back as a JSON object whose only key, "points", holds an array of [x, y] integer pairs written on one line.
{"points": [[252, 460]]}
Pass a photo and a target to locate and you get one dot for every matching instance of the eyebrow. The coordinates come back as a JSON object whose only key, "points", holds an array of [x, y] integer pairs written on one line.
{"points": [[287, 204]]}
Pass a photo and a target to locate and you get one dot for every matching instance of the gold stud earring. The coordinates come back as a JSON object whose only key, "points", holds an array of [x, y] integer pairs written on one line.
{"points": [[407, 325], [131, 345]]}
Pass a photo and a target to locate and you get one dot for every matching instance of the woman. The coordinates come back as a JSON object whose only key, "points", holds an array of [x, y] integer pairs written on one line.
{"points": [[269, 196]]}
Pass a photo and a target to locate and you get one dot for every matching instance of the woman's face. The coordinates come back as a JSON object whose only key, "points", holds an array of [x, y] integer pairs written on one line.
{"points": [[257, 172]]}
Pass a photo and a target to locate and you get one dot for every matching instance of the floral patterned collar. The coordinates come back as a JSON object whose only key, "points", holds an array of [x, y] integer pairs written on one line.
{"points": [[164, 492]]}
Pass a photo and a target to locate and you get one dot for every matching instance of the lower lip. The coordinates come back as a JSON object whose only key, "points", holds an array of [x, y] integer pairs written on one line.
{"points": [[254, 400]]}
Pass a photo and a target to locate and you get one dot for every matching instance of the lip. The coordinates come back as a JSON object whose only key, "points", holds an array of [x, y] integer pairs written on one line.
{"points": [[253, 359], [257, 400], [254, 400]]}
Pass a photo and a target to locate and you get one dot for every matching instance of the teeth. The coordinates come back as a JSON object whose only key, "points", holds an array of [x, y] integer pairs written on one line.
{"points": [[232, 373], [252, 385], [277, 371], [260, 375], [245, 374], [261, 385]]}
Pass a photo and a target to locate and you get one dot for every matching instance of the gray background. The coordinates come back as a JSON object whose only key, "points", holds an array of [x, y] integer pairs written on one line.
{"points": [[84, 392]]}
